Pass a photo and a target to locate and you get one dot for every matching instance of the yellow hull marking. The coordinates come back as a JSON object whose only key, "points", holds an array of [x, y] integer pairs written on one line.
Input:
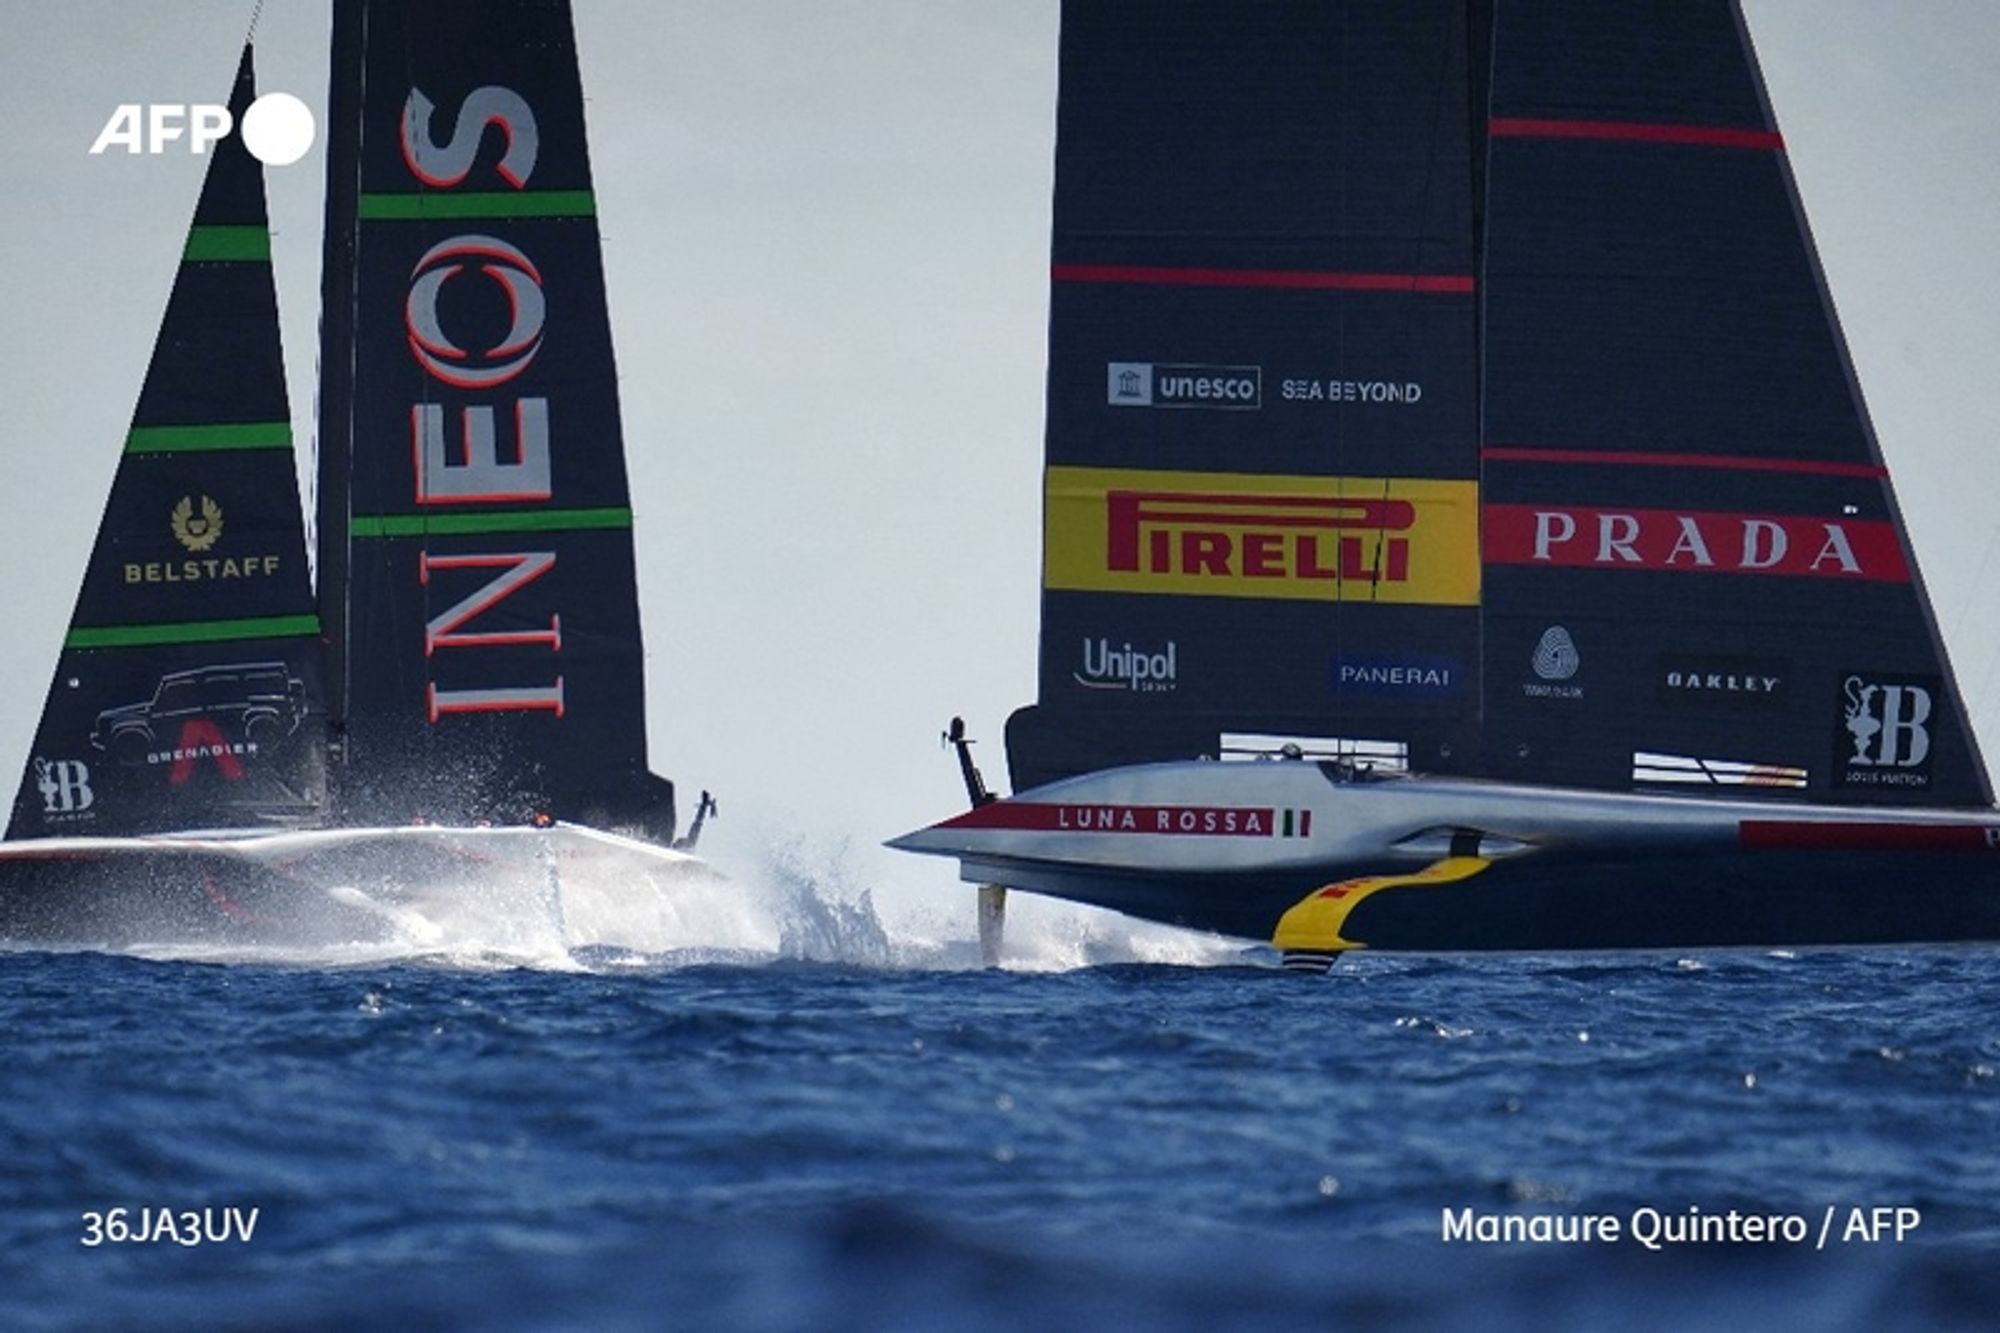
{"points": [[1314, 923]]}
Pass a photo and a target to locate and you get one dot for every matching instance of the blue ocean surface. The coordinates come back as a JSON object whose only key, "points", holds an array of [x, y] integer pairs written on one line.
{"points": [[844, 1127]]}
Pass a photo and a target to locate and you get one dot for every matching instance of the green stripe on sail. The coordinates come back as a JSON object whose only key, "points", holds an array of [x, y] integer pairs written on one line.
{"points": [[191, 631], [249, 244], [470, 525], [193, 439], [526, 204]]}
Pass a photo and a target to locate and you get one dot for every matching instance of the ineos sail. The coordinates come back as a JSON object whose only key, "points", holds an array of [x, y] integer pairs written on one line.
{"points": [[465, 689], [474, 522], [188, 690]]}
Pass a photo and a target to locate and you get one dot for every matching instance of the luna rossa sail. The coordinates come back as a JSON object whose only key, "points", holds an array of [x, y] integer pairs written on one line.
{"points": [[1461, 376]]}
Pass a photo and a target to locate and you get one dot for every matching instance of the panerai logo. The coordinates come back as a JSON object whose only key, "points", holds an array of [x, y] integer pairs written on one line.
{"points": [[1884, 737], [1127, 668], [1150, 384]]}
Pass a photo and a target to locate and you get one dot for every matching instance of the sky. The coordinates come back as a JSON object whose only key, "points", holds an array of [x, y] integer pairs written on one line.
{"points": [[826, 242]]}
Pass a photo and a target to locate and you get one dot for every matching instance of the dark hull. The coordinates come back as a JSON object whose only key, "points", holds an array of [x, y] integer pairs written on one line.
{"points": [[1768, 899], [170, 897]]}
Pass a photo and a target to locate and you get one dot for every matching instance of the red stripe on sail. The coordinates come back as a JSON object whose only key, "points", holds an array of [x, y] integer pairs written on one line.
{"points": [[1296, 279], [1807, 835], [1724, 462], [1625, 131]]}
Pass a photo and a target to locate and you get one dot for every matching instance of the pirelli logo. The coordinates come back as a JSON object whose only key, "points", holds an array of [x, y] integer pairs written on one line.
{"points": [[1220, 534]]}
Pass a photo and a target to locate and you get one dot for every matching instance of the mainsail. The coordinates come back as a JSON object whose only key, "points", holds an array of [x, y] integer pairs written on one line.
{"points": [[474, 530], [188, 690], [1680, 475], [1261, 504], [1461, 377]]}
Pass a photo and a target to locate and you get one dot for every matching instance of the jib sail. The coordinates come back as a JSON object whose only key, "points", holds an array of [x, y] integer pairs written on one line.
{"points": [[1461, 376], [1261, 501], [475, 527], [1693, 553], [188, 690]]}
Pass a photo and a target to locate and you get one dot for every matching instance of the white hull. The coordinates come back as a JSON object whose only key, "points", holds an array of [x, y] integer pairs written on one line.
{"points": [[1233, 846], [300, 885]]}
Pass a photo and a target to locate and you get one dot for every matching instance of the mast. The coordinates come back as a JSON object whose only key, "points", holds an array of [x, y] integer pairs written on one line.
{"points": [[336, 366]]}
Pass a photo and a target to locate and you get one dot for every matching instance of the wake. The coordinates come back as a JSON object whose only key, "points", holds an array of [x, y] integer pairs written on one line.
{"points": [[797, 901]]}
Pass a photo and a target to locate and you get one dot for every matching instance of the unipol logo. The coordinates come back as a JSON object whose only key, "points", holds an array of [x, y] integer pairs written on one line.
{"points": [[1886, 726], [65, 786], [1127, 668], [277, 128], [480, 467]]}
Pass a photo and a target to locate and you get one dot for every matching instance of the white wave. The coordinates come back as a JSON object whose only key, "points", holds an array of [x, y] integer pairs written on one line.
{"points": [[800, 899]]}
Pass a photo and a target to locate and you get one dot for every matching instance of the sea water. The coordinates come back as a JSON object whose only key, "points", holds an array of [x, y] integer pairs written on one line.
{"points": [[778, 1112]]}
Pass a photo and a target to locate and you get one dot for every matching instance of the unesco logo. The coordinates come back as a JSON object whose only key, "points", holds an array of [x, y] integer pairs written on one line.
{"points": [[277, 128]]}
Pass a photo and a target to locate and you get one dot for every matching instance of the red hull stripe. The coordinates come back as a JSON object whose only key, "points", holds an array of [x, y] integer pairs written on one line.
{"points": [[1706, 136], [1300, 280], [1156, 820], [1800, 835], [1720, 462]]}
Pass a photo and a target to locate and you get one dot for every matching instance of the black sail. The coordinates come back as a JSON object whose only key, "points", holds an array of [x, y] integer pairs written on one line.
{"points": [[1261, 507], [1695, 567], [1461, 375], [187, 694], [474, 523]]}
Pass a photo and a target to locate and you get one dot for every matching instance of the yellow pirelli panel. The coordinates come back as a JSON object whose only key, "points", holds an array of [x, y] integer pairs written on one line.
{"points": [[1230, 534]]}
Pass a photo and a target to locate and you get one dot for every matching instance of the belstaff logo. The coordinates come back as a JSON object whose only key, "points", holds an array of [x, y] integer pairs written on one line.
{"points": [[196, 530], [197, 526], [1884, 737]]}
